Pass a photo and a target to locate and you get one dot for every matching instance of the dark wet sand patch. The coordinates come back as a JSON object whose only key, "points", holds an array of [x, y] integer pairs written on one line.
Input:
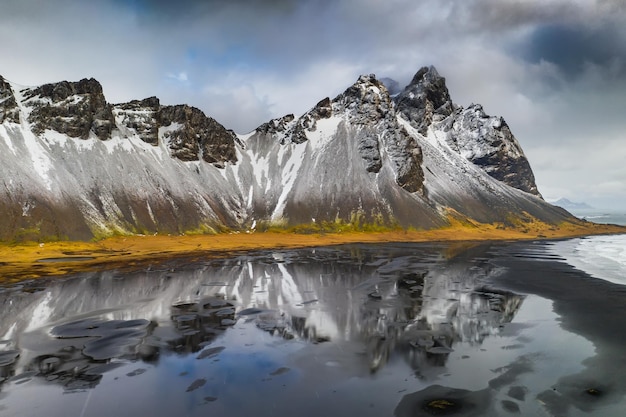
{"points": [[437, 400], [196, 384], [280, 371], [136, 372]]}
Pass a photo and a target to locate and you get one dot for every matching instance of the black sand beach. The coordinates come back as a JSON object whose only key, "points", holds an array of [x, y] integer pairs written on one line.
{"points": [[592, 308], [369, 330]]}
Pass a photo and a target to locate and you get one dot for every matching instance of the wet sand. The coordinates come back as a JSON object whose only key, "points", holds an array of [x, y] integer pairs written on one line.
{"points": [[592, 308]]}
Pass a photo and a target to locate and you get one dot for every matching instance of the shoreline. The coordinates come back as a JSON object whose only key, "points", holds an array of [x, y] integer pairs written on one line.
{"points": [[24, 261], [588, 306]]}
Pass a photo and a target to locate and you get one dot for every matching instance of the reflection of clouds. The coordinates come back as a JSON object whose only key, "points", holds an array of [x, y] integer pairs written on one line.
{"points": [[417, 305]]}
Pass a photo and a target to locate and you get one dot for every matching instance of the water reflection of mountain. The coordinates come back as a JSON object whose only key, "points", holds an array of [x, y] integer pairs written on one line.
{"points": [[392, 299]]}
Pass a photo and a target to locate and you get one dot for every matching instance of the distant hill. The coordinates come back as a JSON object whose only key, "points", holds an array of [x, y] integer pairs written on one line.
{"points": [[570, 205]]}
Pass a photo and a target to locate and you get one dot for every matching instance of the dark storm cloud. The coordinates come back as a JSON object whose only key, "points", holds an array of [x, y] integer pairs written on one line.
{"points": [[497, 15], [572, 48], [287, 33]]}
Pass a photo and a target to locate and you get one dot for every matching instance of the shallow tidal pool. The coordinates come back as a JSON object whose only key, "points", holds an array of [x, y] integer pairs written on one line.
{"points": [[363, 330]]}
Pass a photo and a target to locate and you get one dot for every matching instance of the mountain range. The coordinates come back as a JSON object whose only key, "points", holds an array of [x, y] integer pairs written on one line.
{"points": [[74, 166]]}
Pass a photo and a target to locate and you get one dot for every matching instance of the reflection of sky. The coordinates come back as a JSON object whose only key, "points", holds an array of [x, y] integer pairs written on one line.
{"points": [[240, 376], [321, 378]]}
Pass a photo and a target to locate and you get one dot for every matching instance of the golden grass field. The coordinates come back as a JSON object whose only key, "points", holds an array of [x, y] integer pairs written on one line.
{"points": [[32, 260]]}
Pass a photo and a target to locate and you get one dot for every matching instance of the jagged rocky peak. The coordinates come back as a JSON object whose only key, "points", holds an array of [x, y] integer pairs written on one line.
{"points": [[140, 116], [487, 142], [72, 108], [192, 135], [189, 133], [367, 97], [365, 102], [308, 122], [8, 106], [278, 125], [425, 99], [369, 107], [288, 129], [484, 140]]}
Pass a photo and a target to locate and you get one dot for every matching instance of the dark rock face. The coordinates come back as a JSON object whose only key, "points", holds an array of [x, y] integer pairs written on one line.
{"points": [[322, 110], [370, 108], [367, 103], [184, 143], [78, 109], [425, 99], [488, 142], [407, 156], [198, 136], [71, 108], [141, 116], [191, 135], [8, 106], [371, 116], [275, 126]]}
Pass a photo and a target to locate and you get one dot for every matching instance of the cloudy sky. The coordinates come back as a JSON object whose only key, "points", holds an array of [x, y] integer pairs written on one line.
{"points": [[554, 69]]}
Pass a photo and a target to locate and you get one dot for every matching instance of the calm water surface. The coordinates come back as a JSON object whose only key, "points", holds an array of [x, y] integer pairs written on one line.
{"points": [[367, 330]]}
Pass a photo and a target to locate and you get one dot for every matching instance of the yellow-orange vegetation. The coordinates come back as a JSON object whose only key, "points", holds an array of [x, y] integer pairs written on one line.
{"points": [[24, 261]]}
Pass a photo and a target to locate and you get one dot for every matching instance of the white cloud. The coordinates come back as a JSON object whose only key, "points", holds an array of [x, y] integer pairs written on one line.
{"points": [[181, 77]]}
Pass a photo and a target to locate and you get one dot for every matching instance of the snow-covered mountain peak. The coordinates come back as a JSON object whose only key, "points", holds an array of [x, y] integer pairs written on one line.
{"points": [[366, 91], [73, 165], [484, 140], [367, 101], [139, 117], [425, 99], [487, 141], [76, 109], [427, 75]]}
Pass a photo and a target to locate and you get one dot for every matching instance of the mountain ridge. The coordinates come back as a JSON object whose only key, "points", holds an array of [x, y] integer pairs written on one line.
{"points": [[77, 167]]}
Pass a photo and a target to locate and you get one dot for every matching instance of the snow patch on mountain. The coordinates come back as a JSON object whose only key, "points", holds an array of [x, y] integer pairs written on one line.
{"points": [[322, 135]]}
